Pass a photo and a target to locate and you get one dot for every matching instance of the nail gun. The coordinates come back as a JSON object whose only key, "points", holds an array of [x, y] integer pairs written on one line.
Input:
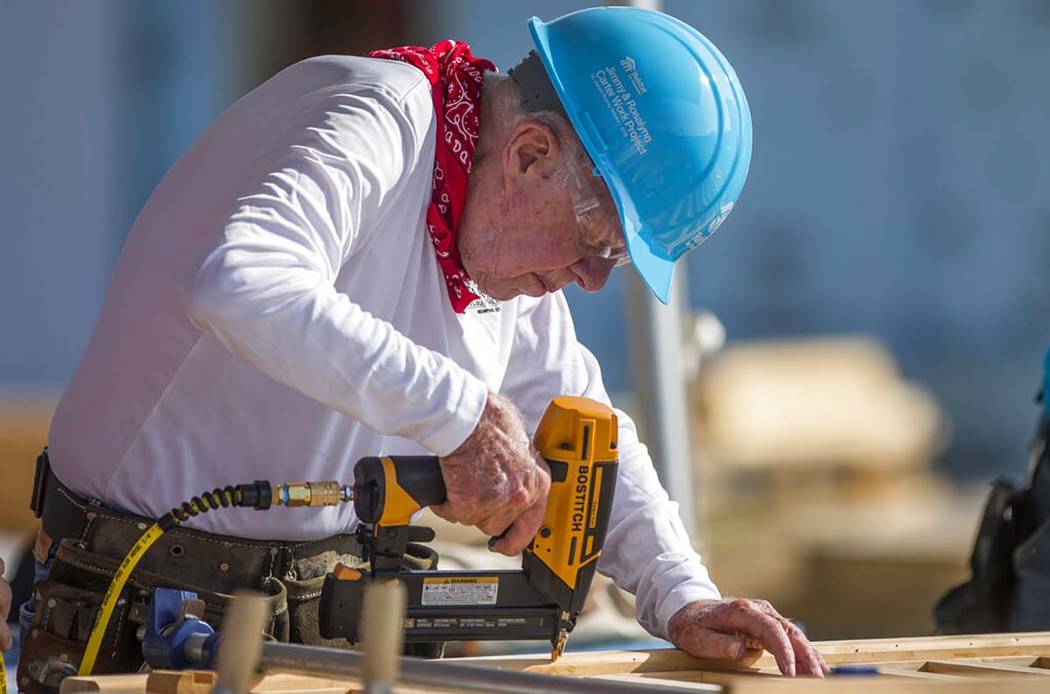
{"points": [[577, 437]]}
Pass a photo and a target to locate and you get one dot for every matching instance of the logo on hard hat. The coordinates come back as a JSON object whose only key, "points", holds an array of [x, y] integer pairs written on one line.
{"points": [[631, 68]]}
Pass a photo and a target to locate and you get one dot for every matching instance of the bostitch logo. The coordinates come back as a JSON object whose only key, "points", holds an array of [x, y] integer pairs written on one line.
{"points": [[579, 501]]}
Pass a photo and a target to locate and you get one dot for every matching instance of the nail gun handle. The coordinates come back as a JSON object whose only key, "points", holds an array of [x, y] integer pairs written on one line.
{"points": [[389, 489]]}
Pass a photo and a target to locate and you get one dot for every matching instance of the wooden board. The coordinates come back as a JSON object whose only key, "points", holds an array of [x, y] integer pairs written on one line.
{"points": [[979, 664], [984, 664]]}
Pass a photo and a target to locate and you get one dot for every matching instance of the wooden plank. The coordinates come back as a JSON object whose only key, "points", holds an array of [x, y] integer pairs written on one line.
{"points": [[660, 683], [302, 684], [913, 669], [180, 681], [936, 647], [835, 652], [982, 669], [619, 662], [103, 683], [877, 685], [201, 682], [715, 677], [970, 664], [918, 674], [1024, 660]]}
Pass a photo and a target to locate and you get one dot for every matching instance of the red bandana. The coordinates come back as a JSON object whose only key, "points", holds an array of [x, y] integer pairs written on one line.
{"points": [[455, 80]]}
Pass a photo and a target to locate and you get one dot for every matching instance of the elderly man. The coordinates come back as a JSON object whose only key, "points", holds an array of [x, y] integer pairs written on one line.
{"points": [[364, 256]]}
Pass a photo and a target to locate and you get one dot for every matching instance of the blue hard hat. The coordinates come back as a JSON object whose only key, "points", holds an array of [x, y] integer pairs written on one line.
{"points": [[664, 118]]}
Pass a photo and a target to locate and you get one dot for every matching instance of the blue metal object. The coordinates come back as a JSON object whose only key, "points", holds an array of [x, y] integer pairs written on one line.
{"points": [[174, 640], [854, 670], [664, 118]]}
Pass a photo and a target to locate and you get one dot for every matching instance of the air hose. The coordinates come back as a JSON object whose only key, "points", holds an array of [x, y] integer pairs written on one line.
{"points": [[259, 495]]}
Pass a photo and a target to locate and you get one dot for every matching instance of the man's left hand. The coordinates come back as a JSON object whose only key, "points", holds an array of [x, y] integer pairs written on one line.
{"points": [[727, 628]]}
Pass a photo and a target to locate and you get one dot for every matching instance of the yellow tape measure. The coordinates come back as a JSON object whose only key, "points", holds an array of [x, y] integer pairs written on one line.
{"points": [[116, 586]]}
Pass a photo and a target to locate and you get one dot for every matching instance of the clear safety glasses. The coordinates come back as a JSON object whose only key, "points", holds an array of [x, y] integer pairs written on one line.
{"points": [[598, 230]]}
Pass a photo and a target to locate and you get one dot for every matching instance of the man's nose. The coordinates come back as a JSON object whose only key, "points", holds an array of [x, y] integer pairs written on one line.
{"points": [[592, 273]]}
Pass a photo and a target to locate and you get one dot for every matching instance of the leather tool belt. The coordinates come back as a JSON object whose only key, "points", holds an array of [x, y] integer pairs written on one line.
{"points": [[93, 538]]}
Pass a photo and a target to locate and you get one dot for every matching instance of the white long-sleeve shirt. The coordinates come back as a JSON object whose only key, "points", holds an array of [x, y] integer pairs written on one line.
{"points": [[278, 312]]}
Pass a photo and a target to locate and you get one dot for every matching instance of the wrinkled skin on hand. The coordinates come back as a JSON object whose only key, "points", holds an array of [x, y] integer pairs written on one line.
{"points": [[5, 608], [496, 480], [725, 629]]}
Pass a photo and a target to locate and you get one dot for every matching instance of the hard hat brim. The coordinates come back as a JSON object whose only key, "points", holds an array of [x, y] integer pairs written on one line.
{"points": [[656, 272]]}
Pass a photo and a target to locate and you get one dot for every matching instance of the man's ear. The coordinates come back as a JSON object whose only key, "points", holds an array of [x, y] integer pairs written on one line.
{"points": [[532, 150]]}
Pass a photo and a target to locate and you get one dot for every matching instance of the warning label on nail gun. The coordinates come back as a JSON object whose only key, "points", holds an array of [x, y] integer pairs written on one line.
{"points": [[455, 590]]}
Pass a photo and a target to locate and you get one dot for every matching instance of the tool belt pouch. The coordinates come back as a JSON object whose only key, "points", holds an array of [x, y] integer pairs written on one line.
{"points": [[304, 597], [68, 601], [55, 641]]}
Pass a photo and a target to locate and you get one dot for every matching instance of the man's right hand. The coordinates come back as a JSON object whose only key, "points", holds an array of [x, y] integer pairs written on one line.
{"points": [[496, 480]]}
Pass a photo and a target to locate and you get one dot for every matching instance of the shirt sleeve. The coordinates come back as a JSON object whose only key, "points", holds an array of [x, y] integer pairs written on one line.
{"points": [[266, 291], [647, 550]]}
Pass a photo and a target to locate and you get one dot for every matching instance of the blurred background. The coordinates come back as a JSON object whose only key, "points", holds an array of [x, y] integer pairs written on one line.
{"points": [[883, 286]]}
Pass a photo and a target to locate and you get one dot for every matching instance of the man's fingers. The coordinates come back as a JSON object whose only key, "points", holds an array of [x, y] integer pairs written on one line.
{"points": [[812, 663], [745, 617], [497, 524], [457, 513], [807, 659], [707, 643], [772, 635], [519, 535], [5, 637]]}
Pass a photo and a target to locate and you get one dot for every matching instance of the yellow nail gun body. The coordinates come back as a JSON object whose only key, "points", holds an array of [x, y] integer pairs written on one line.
{"points": [[578, 439]]}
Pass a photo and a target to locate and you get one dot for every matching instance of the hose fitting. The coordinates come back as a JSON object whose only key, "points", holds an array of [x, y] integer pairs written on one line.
{"points": [[312, 494]]}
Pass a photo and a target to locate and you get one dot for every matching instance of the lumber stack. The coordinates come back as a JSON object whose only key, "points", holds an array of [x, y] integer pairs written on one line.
{"points": [[814, 466]]}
